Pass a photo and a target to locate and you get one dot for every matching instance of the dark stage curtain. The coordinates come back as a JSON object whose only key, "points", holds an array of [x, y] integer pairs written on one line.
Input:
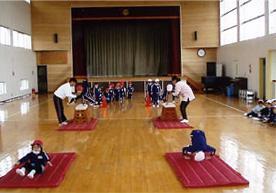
{"points": [[136, 48]]}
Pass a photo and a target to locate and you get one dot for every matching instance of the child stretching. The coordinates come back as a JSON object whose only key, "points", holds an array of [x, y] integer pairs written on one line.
{"points": [[255, 112]]}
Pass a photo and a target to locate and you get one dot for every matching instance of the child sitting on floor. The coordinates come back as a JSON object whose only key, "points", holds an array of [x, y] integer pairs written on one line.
{"points": [[265, 113], [34, 162], [199, 144], [272, 117], [255, 112]]}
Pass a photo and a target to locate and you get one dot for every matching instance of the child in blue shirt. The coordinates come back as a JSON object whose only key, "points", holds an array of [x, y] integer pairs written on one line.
{"points": [[155, 93], [97, 94], [199, 143], [118, 92], [148, 89], [255, 112], [130, 90]]}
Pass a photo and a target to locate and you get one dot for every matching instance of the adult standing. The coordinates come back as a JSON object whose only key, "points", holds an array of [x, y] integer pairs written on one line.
{"points": [[184, 91], [65, 90]]}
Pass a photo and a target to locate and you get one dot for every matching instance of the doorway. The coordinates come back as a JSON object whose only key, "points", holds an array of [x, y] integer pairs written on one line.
{"points": [[262, 78], [42, 79]]}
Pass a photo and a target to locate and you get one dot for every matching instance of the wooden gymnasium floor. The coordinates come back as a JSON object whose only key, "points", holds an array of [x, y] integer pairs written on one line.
{"points": [[125, 153]]}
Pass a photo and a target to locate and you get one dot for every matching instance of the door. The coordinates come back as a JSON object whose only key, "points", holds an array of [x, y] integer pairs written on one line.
{"points": [[42, 79], [262, 78]]}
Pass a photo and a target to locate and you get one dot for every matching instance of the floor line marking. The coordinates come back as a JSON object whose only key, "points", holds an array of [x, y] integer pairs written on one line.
{"points": [[236, 109]]}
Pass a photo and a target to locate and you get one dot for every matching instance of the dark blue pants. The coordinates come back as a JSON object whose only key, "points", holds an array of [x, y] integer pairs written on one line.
{"points": [[191, 149], [59, 109]]}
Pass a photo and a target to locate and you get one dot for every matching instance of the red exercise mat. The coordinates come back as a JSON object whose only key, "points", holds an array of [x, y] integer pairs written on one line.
{"points": [[208, 173], [52, 176], [170, 124], [73, 126]]}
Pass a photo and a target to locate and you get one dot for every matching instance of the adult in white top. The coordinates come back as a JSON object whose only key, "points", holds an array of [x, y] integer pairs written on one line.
{"points": [[60, 94], [184, 91]]}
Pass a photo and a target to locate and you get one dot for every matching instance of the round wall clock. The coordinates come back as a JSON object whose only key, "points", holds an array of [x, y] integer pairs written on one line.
{"points": [[201, 52], [125, 12]]}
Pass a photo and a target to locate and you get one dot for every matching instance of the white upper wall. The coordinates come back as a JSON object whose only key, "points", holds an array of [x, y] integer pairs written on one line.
{"points": [[16, 63], [16, 15], [238, 57], [241, 59]]}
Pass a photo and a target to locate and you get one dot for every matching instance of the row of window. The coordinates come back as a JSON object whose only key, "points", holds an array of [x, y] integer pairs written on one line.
{"points": [[24, 85], [19, 39], [246, 17]]}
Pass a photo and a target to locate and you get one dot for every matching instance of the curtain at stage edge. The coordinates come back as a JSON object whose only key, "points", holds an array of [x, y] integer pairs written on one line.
{"points": [[139, 48]]}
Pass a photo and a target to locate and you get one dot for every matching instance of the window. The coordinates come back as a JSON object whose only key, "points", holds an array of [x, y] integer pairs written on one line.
{"points": [[5, 36], [227, 5], [252, 29], [15, 38], [21, 40], [28, 42], [229, 36], [251, 9], [272, 16], [252, 19], [3, 88], [24, 84], [228, 22]]}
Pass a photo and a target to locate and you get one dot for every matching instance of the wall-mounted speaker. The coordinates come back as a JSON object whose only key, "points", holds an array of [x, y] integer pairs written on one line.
{"points": [[211, 69], [56, 38], [195, 35]]}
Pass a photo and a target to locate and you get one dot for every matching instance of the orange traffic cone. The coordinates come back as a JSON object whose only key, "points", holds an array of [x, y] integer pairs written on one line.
{"points": [[148, 101], [104, 103]]}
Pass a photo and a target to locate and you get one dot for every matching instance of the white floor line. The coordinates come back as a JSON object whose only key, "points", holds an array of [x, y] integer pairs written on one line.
{"points": [[220, 103], [213, 116]]}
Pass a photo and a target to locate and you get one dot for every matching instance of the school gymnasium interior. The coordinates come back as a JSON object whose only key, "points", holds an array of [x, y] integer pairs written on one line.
{"points": [[224, 49]]}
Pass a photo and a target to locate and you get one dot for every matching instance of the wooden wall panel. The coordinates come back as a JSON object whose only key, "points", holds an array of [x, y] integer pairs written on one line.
{"points": [[52, 57], [202, 17], [57, 74], [49, 17], [195, 66], [122, 3]]}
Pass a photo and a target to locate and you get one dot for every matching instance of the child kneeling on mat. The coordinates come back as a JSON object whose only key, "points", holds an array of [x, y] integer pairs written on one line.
{"points": [[34, 162], [199, 146]]}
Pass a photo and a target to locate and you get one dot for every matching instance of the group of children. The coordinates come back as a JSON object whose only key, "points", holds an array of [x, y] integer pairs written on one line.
{"points": [[155, 92], [93, 94], [264, 111]]}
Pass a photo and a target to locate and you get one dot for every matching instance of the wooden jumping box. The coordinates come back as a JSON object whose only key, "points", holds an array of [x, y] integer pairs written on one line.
{"points": [[168, 114], [81, 116]]}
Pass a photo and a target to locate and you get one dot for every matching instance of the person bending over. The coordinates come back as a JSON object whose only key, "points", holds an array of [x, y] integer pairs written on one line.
{"points": [[64, 91], [186, 94], [199, 144]]}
